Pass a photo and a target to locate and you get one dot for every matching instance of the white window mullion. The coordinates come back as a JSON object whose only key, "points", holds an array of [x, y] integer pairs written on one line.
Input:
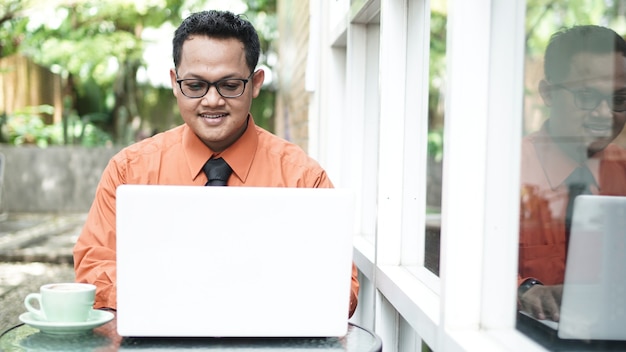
{"points": [[481, 177], [416, 133], [413, 299], [392, 118], [503, 164], [387, 323], [464, 171], [392, 75], [362, 173]]}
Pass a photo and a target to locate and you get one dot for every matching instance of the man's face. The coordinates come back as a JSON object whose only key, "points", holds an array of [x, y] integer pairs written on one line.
{"points": [[216, 120], [579, 126]]}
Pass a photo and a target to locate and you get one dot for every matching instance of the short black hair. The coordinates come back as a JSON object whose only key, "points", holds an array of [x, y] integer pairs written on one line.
{"points": [[568, 42], [218, 24]]}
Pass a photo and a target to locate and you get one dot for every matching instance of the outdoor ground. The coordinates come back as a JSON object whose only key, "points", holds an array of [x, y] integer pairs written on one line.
{"points": [[35, 249]]}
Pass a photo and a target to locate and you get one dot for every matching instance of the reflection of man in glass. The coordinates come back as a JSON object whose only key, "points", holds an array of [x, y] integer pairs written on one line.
{"points": [[585, 91]]}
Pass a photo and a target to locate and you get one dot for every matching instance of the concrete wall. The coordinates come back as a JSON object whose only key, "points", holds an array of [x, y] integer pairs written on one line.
{"points": [[54, 179]]}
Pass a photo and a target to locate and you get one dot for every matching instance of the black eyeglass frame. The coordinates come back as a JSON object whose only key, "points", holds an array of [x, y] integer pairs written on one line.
{"points": [[216, 85], [578, 100]]}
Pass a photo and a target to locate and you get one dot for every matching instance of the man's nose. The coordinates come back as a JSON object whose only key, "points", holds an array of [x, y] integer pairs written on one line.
{"points": [[603, 110], [212, 96]]}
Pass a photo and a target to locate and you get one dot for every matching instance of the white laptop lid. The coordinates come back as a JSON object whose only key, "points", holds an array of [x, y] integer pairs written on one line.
{"points": [[233, 261], [593, 305]]}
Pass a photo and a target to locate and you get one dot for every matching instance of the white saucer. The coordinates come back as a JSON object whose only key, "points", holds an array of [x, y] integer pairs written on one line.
{"points": [[96, 318]]}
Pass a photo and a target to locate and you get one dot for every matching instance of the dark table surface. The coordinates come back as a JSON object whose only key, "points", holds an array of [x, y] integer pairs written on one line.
{"points": [[105, 338], [548, 338]]}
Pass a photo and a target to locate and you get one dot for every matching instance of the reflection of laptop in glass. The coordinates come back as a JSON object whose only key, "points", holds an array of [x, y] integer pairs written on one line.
{"points": [[594, 293], [233, 261], [593, 306]]}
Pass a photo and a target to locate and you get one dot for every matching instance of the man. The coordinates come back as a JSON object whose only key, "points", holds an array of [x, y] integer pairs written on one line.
{"points": [[585, 90], [214, 81]]}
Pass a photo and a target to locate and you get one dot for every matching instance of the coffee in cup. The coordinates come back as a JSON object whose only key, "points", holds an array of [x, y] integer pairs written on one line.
{"points": [[62, 302]]}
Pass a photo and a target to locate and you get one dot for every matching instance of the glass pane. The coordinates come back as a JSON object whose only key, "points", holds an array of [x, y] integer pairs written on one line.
{"points": [[438, 19], [572, 240]]}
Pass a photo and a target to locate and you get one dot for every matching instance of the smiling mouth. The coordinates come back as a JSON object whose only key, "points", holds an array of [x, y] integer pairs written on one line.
{"points": [[212, 116], [599, 130]]}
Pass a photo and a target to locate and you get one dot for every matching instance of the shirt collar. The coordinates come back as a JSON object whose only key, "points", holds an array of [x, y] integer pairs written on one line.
{"points": [[239, 155], [556, 165]]}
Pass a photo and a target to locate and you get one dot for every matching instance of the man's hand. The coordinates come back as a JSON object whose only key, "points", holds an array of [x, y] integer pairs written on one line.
{"points": [[542, 302]]}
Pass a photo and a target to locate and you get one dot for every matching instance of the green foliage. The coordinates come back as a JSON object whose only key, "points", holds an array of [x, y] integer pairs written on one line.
{"points": [[97, 48], [437, 71], [438, 22], [544, 17], [435, 144], [12, 26], [82, 130], [93, 38], [262, 13], [9, 43], [263, 109], [26, 127]]}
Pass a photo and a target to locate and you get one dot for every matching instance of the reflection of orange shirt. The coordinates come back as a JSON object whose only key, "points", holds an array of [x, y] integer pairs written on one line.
{"points": [[176, 157], [544, 201]]}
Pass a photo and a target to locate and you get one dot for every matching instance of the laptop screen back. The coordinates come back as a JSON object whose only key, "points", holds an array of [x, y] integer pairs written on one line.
{"points": [[594, 292], [233, 261]]}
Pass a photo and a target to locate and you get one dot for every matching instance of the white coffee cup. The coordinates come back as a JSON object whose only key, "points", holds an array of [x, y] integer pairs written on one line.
{"points": [[62, 302]]}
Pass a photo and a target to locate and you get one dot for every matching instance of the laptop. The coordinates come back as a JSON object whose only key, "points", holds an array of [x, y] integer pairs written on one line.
{"points": [[233, 261], [594, 292], [593, 306]]}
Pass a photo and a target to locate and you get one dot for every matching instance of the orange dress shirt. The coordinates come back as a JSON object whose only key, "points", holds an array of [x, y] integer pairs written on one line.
{"points": [[176, 157], [544, 197]]}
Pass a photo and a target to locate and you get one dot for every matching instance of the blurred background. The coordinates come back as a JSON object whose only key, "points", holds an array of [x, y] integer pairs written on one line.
{"points": [[96, 73]]}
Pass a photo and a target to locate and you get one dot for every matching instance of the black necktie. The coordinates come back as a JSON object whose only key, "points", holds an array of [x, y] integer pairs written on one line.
{"points": [[577, 184], [217, 171]]}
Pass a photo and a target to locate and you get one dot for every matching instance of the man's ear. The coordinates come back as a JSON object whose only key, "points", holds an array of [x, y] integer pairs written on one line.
{"points": [[257, 82], [174, 83], [545, 90]]}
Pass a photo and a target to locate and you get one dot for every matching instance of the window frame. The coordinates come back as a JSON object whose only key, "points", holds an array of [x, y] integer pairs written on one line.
{"points": [[473, 303]]}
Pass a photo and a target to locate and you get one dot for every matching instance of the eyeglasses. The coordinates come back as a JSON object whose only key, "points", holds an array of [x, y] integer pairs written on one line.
{"points": [[590, 99], [227, 88]]}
